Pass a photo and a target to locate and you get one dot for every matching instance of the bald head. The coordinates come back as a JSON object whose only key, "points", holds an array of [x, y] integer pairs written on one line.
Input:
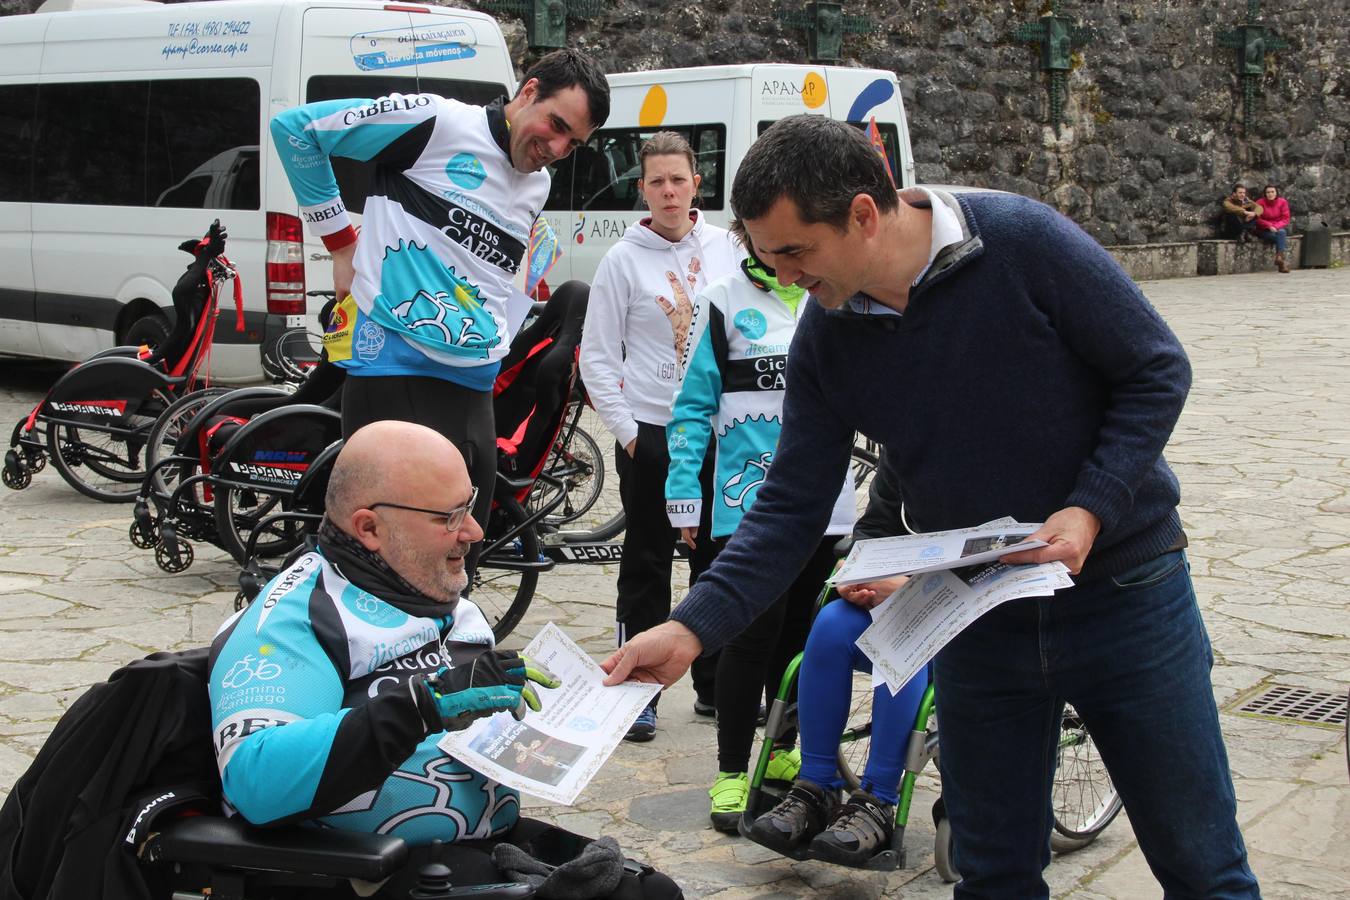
{"points": [[394, 462]]}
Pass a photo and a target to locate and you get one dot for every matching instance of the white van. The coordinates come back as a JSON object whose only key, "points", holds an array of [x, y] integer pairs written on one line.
{"points": [[720, 110], [126, 126]]}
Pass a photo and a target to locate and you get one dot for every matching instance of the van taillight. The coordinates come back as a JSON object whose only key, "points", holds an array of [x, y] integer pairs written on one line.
{"points": [[542, 292], [285, 265]]}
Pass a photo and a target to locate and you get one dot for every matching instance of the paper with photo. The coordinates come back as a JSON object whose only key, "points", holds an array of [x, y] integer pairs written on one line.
{"points": [[912, 554], [554, 753], [918, 620]]}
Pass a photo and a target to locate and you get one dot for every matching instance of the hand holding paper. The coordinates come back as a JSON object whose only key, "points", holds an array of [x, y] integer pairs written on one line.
{"points": [[1068, 535]]}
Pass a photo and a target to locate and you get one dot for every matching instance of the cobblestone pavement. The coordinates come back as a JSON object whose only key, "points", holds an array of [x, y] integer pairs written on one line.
{"points": [[1262, 455]]}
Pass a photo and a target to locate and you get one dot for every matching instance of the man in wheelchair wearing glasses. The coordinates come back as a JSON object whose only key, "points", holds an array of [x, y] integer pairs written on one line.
{"points": [[365, 652]]}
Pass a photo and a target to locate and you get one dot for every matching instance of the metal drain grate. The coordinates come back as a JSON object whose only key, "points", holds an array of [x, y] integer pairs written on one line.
{"points": [[1296, 704]]}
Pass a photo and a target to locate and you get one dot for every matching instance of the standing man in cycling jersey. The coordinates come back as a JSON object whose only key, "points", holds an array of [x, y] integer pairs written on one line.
{"points": [[457, 188]]}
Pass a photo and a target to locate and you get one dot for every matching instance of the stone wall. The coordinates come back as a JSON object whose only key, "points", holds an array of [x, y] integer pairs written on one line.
{"points": [[1153, 137]]}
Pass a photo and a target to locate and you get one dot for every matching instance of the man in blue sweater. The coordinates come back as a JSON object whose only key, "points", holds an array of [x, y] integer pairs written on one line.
{"points": [[1009, 368]]}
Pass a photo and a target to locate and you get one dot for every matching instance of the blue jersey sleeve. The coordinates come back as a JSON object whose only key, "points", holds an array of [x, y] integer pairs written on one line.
{"points": [[690, 428], [391, 130]]}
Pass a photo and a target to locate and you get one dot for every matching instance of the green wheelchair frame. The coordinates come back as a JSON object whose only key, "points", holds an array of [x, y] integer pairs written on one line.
{"points": [[1073, 828]]}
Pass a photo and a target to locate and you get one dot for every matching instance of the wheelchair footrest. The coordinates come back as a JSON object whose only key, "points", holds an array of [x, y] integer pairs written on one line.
{"points": [[887, 860], [231, 843]]}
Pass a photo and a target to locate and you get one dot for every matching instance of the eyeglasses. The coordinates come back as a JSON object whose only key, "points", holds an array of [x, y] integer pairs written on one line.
{"points": [[454, 518]]}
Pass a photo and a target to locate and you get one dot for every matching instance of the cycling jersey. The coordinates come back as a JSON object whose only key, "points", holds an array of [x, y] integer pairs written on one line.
{"points": [[313, 717], [733, 385], [442, 237]]}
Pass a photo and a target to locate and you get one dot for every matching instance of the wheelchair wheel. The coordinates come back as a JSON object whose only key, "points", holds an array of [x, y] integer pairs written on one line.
{"points": [[1084, 798], [103, 465], [944, 848], [164, 435], [504, 594], [598, 510], [856, 741], [862, 464], [238, 512]]}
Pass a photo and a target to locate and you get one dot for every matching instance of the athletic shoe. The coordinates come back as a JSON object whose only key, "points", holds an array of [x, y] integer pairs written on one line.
{"points": [[860, 830], [728, 793], [644, 729], [800, 816], [784, 765], [704, 709]]}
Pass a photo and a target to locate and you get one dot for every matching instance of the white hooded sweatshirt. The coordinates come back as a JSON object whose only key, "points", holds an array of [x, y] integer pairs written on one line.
{"points": [[632, 348]]}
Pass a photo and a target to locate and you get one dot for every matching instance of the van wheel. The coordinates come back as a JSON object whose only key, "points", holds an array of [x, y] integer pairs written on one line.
{"points": [[152, 330]]}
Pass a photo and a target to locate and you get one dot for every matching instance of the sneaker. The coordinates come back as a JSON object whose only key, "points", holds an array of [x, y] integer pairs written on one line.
{"points": [[861, 829], [728, 793], [800, 816], [784, 765], [704, 709], [644, 728]]}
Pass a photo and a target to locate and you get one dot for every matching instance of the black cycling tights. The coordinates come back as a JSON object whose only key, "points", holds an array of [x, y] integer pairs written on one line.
{"points": [[461, 414]]}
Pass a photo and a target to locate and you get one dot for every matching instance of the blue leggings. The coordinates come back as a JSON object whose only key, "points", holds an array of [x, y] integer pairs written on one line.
{"points": [[824, 691]]}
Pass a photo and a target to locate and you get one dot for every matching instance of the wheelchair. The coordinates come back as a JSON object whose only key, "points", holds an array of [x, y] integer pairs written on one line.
{"points": [[1084, 799], [95, 422], [238, 459]]}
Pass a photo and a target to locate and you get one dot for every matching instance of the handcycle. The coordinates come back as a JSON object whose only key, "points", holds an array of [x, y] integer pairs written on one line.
{"points": [[1084, 799], [95, 422], [237, 458]]}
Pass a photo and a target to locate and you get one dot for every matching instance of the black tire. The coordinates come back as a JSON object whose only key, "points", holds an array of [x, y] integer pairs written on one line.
{"points": [[603, 518], [504, 595], [164, 435], [580, 466], [238, 510], [152, 329], [99, 464], [1084, 798]]}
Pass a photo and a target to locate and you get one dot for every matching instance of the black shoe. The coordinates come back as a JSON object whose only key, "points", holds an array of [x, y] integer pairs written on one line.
{"points": [[644, 729], [798, 817], [704, 709], [861, 829]]}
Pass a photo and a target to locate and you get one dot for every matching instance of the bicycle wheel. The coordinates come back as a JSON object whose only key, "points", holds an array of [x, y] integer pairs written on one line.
{"points": [[581, 469], [505, 594], [105, 465], [296, 353], [604, 518], [1084, 798], [165, 433], [238, 512]]}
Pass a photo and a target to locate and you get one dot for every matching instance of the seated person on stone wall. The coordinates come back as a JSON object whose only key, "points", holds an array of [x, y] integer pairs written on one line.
{"points": [[1239, 214], [1272, 224], [365, 652]]}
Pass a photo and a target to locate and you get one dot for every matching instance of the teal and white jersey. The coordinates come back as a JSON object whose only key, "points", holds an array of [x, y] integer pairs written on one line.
{"points": [[313, 717], [733, 389], [442, 237]]}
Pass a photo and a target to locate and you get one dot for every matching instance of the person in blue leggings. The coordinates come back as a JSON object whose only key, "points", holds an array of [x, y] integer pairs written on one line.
{"points": [[852, 833]]}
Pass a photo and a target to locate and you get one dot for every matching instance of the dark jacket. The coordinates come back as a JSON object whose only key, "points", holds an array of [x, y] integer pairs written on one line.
{"points": [[64, 826]]}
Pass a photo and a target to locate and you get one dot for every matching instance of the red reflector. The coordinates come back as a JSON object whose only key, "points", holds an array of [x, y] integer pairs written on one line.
{"points": [[542, 292]]}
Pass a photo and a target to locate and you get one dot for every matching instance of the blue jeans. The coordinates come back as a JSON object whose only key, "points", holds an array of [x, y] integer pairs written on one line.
{"points": [[1131, 654], [1279, 237]]}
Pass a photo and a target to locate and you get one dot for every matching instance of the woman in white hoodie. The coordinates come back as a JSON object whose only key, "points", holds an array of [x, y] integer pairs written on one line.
{"points": [[633, 347]]}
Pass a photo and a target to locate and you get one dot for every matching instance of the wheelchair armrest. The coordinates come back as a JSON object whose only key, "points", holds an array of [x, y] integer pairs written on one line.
{"points": [[231, 843]]}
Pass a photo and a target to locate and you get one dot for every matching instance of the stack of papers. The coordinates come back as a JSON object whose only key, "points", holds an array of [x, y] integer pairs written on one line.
{"points": [[956, 578]]}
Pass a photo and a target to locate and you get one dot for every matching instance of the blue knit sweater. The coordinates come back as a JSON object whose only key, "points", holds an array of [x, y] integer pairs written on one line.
{"points": [[1027, 374]]}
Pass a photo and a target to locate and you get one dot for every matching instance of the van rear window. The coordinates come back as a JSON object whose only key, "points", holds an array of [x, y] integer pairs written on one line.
{"points": [[890, 139], [602, 174], [353, 176]]}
